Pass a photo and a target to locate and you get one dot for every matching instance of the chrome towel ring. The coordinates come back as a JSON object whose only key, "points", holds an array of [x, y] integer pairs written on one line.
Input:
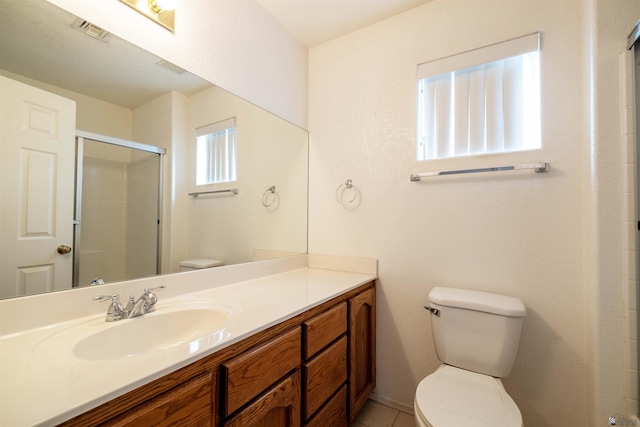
{"points": [[342, 193], [268, 201]]}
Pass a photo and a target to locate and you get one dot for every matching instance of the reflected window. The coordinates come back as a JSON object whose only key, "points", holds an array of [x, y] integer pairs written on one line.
{"points": [[216, 152]]}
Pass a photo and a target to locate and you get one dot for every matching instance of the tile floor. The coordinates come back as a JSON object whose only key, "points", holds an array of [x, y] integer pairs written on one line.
{"points": [[374, 414]]}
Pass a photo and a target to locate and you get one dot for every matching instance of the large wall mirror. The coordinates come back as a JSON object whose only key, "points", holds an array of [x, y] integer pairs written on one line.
{"points": [[98, 160]]}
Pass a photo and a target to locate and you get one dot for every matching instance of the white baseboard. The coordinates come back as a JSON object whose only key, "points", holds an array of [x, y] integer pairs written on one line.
{"points": [[391, 403]]}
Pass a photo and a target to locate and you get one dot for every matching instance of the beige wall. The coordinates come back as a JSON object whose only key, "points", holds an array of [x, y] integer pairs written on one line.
{"points": [[536, 237]]}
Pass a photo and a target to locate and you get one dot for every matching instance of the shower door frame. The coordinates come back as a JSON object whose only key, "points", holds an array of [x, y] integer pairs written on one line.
{"points": [[77, 221]]}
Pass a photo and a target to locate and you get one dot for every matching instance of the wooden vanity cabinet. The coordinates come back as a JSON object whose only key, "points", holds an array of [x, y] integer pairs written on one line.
{"points": [[316, 369]]}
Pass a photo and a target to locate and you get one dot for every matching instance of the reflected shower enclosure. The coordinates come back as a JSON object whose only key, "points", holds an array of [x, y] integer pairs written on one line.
{"points": [[117, 214]]}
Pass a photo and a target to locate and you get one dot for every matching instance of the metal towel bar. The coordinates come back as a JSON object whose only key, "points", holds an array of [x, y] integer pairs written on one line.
{"points": [[229, 190], [536, 167]]}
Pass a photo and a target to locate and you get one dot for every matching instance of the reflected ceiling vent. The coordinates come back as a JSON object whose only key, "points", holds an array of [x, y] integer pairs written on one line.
{"points": [[169, 66], [91, 30]]}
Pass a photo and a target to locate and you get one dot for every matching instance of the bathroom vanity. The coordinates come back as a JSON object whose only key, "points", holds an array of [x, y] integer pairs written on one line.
{"points": [[296, 348]]}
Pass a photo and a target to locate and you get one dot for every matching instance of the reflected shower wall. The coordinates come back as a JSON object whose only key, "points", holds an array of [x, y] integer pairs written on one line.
{"points": [[119, 213]]}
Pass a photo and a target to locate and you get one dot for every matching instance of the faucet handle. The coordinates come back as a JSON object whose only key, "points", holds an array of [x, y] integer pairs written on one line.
{"points": [[148, 292], [114, 298], [115, 310], [151, 298]]}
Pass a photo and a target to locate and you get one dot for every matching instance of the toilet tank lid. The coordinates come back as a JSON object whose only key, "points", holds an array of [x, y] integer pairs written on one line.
{"points": [[476, 300], [201, 263]]}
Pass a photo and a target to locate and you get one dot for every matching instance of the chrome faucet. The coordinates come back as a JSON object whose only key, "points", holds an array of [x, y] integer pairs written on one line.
{"points": [[115, 310], [146, 303]]}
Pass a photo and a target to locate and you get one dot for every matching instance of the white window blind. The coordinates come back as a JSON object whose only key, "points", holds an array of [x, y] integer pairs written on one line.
{"points": [[216, 152], [482, 101]]}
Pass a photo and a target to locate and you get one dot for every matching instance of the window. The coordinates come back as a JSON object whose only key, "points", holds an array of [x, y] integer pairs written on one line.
{"points": [[482, 101], [216, 153]]}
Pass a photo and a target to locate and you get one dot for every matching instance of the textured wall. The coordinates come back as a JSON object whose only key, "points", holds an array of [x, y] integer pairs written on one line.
{"points": [[552, 240], [519, 234]]}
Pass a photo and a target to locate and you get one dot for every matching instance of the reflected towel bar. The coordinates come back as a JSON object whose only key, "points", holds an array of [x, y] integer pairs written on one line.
{"points": [[537, 168], [230, 190]]}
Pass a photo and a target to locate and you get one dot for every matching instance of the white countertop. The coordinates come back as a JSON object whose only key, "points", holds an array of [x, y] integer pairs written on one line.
{"points": [[43, 383]]}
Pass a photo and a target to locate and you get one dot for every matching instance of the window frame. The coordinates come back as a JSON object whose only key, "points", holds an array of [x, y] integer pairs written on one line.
{"points": [[226, 125], [432, 142]]}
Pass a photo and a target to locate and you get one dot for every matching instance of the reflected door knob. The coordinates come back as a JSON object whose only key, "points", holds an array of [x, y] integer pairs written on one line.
{"points": [[63, 249]]}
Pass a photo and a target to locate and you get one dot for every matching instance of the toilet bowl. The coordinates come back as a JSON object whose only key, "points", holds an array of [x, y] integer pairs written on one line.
{"points": [[199, 264], [454, 397], [476, 336]]}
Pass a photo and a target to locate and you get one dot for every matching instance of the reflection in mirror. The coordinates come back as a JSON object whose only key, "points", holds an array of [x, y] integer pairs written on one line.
{"points": [[109, 87], [216, 153], [118, 200]]}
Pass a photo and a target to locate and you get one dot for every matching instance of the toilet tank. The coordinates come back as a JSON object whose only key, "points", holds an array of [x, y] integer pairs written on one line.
{"points": [[199, 264], [477, 331]]}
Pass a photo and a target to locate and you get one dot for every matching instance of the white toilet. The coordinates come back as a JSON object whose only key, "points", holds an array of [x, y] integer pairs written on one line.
{"points": [[476, 336], [200, 263]]}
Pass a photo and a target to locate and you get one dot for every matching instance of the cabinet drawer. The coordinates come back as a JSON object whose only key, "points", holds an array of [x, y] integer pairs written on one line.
{"points": [[246, 376], [324, 374], [334, 413], [189, 404], [324, 328]]}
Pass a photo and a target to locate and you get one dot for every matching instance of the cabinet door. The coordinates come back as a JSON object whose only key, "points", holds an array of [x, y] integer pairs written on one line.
{"points": [[277, 407], [189, 404], [362, 349]]}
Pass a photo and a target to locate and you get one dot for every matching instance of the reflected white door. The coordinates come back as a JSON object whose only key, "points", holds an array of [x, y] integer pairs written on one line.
{"points": [[37, 150]]}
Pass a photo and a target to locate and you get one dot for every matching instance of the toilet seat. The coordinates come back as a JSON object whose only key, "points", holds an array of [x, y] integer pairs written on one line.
{"points": [[453, 397]]}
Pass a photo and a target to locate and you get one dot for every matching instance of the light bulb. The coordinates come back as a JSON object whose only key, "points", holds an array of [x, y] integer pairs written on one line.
{"points": [[166, 4]]}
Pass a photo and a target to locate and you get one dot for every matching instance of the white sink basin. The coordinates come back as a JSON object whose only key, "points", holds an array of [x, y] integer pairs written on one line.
{"points": [[186, 328], [149, 333]]}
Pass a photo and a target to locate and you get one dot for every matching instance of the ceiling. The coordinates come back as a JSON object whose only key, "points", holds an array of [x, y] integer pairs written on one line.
{"points": [[313, 22]]}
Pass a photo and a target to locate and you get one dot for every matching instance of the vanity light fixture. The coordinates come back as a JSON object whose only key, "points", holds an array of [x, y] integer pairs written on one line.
{"points": [[160, 11]]}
